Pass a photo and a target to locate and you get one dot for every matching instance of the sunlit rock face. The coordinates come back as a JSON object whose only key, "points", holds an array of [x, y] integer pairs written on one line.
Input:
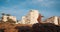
{"points": [[30, 18], [53, 20], [5, 18], [56, 20]]}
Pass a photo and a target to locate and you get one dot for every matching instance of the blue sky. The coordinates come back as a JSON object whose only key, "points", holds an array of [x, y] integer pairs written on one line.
{"points": [[20, 8]]}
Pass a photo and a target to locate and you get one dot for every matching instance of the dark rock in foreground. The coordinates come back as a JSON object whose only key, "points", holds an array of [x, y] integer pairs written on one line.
{"points": [[45, 27]]}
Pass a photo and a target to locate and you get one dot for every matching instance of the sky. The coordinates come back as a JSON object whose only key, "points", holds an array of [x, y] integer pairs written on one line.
{"points": [[19, 8]]}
